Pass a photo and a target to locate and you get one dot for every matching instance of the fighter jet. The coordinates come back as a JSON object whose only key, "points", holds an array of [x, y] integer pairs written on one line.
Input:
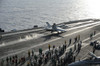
{"points": [[92, 61], [54, 28]]}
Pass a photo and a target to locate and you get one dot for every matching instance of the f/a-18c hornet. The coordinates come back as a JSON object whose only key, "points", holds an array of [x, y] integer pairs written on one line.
{"points": [[54, 28], [92, 61]]}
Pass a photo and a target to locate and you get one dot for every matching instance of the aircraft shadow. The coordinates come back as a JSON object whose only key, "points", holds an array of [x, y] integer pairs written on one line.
{"points": [[48, 37]]}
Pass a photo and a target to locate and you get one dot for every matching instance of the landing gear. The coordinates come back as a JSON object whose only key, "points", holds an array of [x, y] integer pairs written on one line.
{"points": [[58, 32]]}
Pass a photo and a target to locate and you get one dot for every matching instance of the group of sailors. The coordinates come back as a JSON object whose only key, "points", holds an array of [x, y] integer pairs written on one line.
{"points": [[12, 61], [49, 57], [53, 56]]}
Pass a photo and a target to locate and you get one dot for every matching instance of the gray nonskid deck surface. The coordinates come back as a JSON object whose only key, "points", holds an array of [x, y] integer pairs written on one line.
{"points": [[57, 40]]}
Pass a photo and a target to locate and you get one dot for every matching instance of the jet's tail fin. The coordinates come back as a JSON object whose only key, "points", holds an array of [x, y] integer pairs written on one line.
{"points": [[48, 25], [92, 54]]}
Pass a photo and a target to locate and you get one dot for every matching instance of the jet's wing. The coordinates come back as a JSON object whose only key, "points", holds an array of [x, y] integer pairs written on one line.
{"points": [[62, 30], [78, 63], [48, 28]]}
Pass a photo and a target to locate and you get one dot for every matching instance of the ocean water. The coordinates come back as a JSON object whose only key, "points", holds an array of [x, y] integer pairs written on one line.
{"points": [[23, 14]]}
